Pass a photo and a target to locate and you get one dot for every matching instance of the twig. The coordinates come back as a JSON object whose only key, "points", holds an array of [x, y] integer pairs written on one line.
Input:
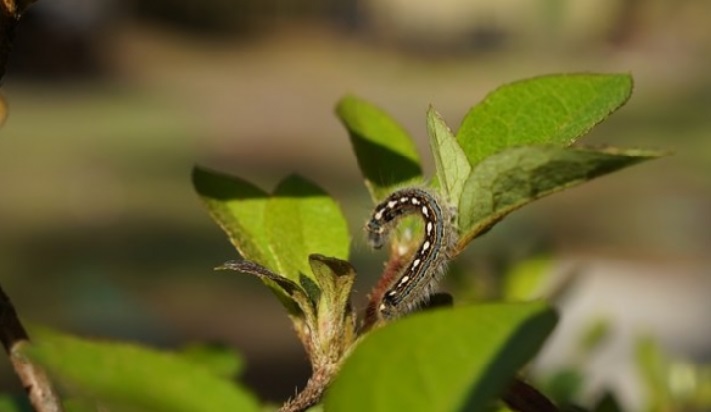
{"points": [[13, 336], [312, 393], [522, 397], [10, 12]]}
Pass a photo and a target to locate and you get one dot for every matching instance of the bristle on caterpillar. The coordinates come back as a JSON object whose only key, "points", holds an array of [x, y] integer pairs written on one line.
{"points": [[402, 291]]}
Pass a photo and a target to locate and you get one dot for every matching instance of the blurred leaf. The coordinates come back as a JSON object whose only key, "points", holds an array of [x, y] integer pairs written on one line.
{"points": [[452, 165], [553, 110], [441, 360], [80, 405], [654, 369], [221, 360], [238, 207], [594, 335], [525, 281], [514, 177], [9, 404], [608, 403], [301, 219], [386, 154], [564, 385], [136, 376]]}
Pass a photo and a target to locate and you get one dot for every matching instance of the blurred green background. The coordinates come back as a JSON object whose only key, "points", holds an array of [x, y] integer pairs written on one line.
{"points": [[111, 104]]}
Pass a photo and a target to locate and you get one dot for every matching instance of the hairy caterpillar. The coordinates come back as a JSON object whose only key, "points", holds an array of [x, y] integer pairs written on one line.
{"points": [[410, 283]]}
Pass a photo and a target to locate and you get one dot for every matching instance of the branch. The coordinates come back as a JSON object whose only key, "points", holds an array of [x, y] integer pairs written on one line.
{"points": [[312, 393], [522, 397], [10, 13], [35, 381]]}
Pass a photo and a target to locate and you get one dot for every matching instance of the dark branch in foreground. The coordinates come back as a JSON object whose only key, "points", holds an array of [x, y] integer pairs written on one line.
{"points": [[13, 336], [10, 12], [522, 397]]}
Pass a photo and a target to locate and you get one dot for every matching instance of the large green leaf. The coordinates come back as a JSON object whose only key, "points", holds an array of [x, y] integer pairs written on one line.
{"points": [[555, 110], [301, 219], [136, 377], [238, 207], [220, 359], [441, 360], [514, 177], [385, 151], [452, 165]]}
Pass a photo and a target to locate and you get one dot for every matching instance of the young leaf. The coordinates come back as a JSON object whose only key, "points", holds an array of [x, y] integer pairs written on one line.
{"points": [[441, 360], [135, 376], [452, 165], [386, 154], [554, 110], [336, 320], [238, 207], [510, 179], [302, 219], [336, 277]]}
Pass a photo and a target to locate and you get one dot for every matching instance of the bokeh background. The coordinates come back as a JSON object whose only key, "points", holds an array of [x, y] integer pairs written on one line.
{"points": [[111, 104]]}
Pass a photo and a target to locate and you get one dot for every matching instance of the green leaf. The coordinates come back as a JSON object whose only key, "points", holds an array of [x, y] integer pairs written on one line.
{"points": [[452, 165], [221, 360], [526, 280], [595, 334], [301, 219], [336, 320], [238, 207], [555, 110], [510, 179], [653, 367], [81, 405], [441, 360], [385, 151], [136, 376], [335, 277], [7, 402], [608, 403], [564, 385]]}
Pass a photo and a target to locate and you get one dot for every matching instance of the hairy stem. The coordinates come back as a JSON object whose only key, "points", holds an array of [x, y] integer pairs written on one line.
{"points": [[35, 381], [312, 393]]}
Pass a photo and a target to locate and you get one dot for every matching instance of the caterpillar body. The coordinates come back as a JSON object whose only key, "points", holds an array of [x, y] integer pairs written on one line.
{"points": [[411, 282]]}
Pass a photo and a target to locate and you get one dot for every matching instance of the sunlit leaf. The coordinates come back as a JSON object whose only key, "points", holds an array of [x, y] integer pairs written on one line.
{"points": [[443, 360], [452, 165], [136, 376], [301, 219], [552, 110], [515, 177], [385, 151]]}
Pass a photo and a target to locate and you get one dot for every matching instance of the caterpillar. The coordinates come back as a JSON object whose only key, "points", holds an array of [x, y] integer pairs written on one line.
{"points": [[410, 283]]}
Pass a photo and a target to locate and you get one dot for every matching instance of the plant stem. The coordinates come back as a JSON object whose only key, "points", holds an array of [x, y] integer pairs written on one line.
{"points": [[522, 397], [312, 393], [35, 381], [10, 12]]}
